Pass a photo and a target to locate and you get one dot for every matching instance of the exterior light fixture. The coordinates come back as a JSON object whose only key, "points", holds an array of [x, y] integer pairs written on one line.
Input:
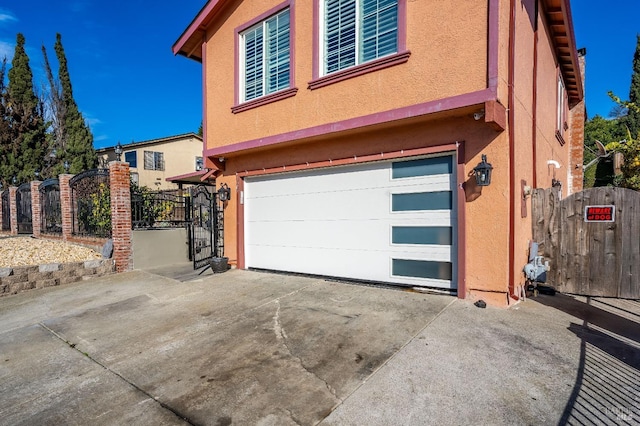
{"points": [[14, 180], [118, 151], [37, 173], [224, 193], [483, 172], [66, 166]]}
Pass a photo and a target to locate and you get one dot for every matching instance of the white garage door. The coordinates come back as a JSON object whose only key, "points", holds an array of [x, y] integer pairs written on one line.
{"points": [[388, 221]]}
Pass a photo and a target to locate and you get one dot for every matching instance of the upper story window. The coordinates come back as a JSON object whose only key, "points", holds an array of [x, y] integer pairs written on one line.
{"points": [[357, 31], [561, 111], [265, 59], [131, 158], [153, 160]]}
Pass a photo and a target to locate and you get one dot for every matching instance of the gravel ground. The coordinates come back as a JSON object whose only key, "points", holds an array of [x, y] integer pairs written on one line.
{"points": [[24, 251]]}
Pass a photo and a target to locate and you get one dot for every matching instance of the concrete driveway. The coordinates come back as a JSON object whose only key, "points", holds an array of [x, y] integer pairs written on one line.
{"points": [[255, 348]]}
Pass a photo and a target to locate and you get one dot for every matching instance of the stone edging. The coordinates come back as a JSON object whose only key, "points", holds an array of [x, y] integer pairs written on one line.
{"points": [[23, 278]]}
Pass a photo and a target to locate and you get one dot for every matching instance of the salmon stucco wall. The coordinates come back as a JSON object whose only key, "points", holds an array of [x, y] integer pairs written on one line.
{"points": [[523, 133], [437, 68], [486, 216]]}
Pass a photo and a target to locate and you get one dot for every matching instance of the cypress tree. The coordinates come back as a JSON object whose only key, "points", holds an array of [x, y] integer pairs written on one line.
{"points": [[25, 153], [5, 129], [55, 136], [78, 140], [632, 120]]}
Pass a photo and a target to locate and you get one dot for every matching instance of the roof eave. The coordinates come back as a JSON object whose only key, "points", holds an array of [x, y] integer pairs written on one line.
{"points": [[189, 43], [564, 42]]}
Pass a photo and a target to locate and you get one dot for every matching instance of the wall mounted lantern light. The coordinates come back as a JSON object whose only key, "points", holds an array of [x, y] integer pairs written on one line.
{"points": [[14, 180], [118, 151], [483, 172], [224, 193], [66, 166]]}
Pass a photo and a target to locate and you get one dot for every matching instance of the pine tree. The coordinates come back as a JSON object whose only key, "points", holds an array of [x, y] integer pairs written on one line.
{"points": [[632, 120], [78, 140], [26, 150]]}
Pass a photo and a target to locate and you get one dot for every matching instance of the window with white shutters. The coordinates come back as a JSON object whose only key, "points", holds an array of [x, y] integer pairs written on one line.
{"points": [[265, 57], [358, 31], [153, 160]]}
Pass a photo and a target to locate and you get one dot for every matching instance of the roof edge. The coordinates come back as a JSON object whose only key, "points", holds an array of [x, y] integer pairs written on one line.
{"points": [[197, 25]]}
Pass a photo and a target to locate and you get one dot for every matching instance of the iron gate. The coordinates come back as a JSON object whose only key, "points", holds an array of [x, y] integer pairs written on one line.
{"points": [[23, 209], [91, 203], [51, 221], [206, 227], [6, 212]]}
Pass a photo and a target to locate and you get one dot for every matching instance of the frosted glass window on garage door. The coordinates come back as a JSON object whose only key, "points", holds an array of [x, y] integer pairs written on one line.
{"points": [[426, 235], [416, 201], [421, 269], [422, 167]]}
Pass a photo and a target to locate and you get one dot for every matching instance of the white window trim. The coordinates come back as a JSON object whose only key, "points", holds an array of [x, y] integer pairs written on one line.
{"points": [[560, 112], [242, 58], [322, 48]]}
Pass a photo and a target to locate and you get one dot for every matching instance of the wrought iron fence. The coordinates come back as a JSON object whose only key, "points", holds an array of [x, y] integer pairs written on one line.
{"points": [[91, 201], [23, 209], [51, 211], [159, 209], [6, 211]]}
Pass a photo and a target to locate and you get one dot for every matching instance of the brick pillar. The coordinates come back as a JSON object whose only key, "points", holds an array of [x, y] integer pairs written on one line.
{"points": [[1, 207], [66, 206], [576, 143], [14, 209], [36, 207], [121, 232]]}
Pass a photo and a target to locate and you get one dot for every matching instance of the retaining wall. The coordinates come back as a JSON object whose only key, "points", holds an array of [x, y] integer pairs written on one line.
{"points": [[23, 278]]}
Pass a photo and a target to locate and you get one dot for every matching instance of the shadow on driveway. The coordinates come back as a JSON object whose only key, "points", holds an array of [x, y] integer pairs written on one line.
{"points": [[607, 387]]}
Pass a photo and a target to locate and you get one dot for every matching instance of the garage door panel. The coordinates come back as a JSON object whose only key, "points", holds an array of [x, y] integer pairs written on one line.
{"points": [[371, 236], [340, 222], [322, 180], [372, 266]]}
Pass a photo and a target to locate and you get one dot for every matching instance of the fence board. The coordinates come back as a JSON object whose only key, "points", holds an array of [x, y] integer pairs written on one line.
{"points": [[590, 258]]}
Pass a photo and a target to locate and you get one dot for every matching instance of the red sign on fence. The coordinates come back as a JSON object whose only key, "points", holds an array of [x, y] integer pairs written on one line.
{"points": [[599, 213]]}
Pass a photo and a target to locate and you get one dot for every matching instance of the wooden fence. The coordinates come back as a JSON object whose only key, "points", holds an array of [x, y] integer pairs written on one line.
{"points": [[592, 249]]}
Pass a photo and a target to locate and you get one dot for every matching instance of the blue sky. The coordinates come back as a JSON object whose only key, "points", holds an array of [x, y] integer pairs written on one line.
{"points": [[608, 30], [126, 81], [130, 87]]}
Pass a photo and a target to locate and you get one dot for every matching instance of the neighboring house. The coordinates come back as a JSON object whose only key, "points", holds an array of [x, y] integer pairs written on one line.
{"points": [[349, 131], [154, 163]]}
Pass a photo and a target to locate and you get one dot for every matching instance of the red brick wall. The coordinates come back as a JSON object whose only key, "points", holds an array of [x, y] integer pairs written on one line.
{"points": [[121, 232], [36, 207], [576, 149]]}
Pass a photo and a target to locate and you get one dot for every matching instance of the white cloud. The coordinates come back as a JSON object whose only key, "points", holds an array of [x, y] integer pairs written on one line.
{"points": [[6, 16], [6, 50], [91, 121]]}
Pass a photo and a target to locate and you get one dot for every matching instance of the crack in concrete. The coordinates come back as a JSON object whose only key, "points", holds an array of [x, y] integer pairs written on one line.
{"points": [[121, 377], [281, 336], [292, 417]]}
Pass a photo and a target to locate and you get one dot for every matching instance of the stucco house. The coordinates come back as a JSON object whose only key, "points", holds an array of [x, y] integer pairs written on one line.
{"points": [[349, 132], [158, 163]]}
